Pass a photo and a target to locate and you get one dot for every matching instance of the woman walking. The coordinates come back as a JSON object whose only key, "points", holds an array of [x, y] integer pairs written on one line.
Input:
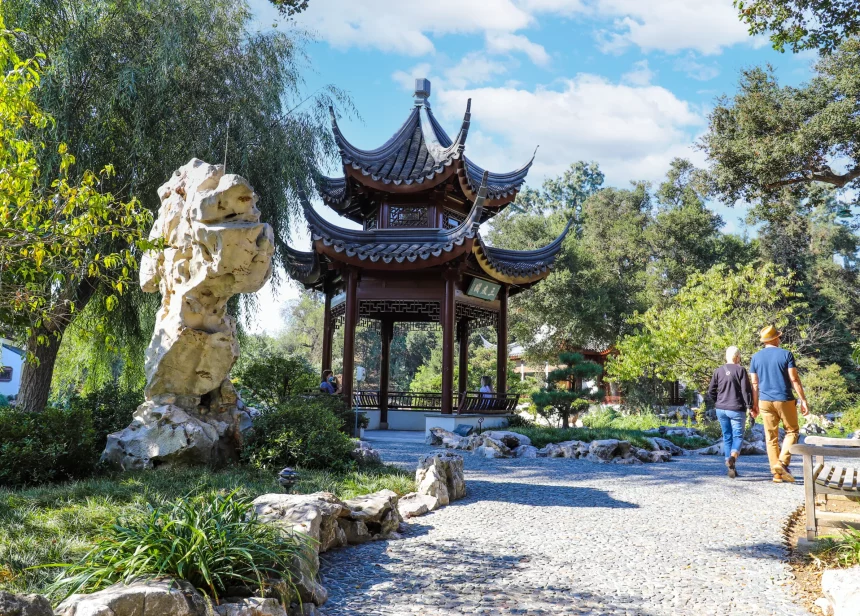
{"points": [[730, 389]]}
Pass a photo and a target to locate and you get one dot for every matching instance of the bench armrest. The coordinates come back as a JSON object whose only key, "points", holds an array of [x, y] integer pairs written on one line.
{"points": [[823, 450], [830, 441]]}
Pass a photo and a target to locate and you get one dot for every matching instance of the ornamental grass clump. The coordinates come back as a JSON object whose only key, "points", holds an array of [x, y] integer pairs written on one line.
{"points": [[213, 540]]}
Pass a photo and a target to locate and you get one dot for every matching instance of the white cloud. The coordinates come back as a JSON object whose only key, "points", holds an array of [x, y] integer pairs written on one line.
{"points": [[640, 75], [633, 131], [473, 68], [670, 25], [404, 26], [695, 69], [506, 42], [406, 79]]}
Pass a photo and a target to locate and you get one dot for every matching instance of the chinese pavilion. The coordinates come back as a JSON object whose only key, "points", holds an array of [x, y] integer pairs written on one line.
{"points": [[418, 257]]}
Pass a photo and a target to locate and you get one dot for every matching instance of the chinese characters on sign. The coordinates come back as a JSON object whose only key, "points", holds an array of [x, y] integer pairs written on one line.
{"points": [[483, 289]]}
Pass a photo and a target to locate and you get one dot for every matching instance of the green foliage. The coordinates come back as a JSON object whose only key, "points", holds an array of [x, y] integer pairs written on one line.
{"points": [[175, 79], [111, 408], [52, 223], [686, 339], [302, 431], [213, 540], [802, 24], [60, 523], [850, 419], [268, 377], [54, 445], [839, 550], [569, 401], [62, 442], [825, 387], [288, 8], [767, 137]]}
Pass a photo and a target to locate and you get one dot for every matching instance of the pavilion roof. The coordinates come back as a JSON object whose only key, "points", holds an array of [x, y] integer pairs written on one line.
{"points": [[420, 155], [415, 247], [518, 266]]}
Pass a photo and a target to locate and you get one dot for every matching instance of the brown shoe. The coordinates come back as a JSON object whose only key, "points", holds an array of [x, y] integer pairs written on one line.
{"points": [[781, 475], [730, 464]]}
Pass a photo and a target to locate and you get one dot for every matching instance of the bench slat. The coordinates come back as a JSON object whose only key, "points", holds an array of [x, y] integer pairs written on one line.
{"points": [[831, 441], [817, 470]]}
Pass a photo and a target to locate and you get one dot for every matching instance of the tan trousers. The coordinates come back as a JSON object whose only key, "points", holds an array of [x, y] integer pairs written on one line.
{"points": [[772, 413]]}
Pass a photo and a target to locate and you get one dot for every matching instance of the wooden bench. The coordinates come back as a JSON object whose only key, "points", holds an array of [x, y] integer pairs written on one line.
{"points": [[496, 403], [825, 479]]}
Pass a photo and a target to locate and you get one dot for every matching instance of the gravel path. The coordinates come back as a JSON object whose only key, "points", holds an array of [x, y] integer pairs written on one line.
{"points": [[561, 536]]}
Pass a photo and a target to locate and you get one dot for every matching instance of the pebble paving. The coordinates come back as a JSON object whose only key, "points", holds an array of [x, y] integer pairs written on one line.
{"points": [[561, 536]]}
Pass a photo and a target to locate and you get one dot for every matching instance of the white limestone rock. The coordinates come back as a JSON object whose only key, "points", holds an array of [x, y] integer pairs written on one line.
{"points": [[250, 606], [413, 505], [604, 450], [377, 511], [842, 588], [315, 515], [526, 451], [215, 247], [366, 454], [511, 440], [440, 480], [156, 597]]}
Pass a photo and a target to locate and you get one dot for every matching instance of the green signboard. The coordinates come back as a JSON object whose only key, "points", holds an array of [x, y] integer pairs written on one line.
{"points": [[483, 289]]}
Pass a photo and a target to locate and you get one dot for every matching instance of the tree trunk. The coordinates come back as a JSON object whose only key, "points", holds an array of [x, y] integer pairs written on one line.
{"points": [[36, 378]]}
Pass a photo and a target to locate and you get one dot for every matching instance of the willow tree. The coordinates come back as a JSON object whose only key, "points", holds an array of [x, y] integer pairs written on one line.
{"points": [[149, 85], [51, 227]]}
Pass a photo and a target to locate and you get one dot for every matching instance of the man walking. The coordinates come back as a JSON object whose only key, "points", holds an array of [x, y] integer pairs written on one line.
{"points": [[773, 374]]}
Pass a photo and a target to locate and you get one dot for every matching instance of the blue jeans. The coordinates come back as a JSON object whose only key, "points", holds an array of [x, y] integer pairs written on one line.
{"points": [[732, 424]]}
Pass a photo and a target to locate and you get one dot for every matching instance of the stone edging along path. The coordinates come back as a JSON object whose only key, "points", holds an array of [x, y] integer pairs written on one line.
{"points": [[509, 444], [323, 519]]}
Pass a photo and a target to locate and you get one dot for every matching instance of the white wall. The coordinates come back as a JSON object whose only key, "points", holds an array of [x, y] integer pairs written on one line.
{"points": [[15, 361]]}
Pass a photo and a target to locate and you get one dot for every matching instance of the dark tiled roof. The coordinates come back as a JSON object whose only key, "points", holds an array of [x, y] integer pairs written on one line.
{"points": [[520, 264], [395, 245], [499, 185], [413, 155], [303, 266], [332, 190]]}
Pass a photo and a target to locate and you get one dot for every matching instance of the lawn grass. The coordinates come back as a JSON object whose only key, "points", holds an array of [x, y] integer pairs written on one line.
{"points": [[59, 523]]}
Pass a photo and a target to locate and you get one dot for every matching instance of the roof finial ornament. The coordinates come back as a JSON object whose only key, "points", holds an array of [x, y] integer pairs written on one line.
{"points": [[422, 91]]}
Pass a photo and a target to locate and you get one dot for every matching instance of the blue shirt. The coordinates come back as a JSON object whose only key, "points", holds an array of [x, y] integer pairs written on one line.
{"points": [[327, 387], [771, 364]]}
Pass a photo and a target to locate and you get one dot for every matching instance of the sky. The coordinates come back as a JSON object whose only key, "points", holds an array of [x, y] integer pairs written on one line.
{"points": [[625, 83]]}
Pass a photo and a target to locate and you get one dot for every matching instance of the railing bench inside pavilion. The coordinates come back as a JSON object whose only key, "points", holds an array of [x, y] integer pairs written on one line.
{"points": [[418, 258]]}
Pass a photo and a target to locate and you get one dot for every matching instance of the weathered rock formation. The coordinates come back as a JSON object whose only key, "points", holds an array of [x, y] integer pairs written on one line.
{"points": [[214, 247], [440, 481], [504, 444], [24, 605], [144, 598]]}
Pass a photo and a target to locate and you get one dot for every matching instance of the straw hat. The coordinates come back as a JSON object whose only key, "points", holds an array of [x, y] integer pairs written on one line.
{"points": [[768, 334]]}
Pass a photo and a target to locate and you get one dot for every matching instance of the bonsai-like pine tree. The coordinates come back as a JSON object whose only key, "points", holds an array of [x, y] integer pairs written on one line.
{"points": [[561, 398]]}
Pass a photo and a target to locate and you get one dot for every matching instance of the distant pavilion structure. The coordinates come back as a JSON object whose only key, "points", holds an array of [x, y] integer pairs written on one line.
{"points": [[418, 258]]}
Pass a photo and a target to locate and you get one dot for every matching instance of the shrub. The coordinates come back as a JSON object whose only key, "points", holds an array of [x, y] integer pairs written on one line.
{"points": [[850, 419], [212, 540], [56, 444], [303, 431], [825, 387], [269, 377], [111, 408]]}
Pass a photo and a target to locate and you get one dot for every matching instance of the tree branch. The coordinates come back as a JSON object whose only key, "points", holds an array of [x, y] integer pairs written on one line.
{"points": [[825, 175]]}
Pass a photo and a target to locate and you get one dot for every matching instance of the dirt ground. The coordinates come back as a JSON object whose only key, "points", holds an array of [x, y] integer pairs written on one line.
{"points": [[807, 572]]}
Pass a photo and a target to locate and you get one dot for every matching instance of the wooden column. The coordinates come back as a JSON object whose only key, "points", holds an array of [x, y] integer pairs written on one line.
{"points": [[502, 342], [463, 333], [387, 333], [328, 330], [448, 325], [350, 321]]}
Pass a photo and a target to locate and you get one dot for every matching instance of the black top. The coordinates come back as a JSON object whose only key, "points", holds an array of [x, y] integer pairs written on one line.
{"points": [[730, 388]]}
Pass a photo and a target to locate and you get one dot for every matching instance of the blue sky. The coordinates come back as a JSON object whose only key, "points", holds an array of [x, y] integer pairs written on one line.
{"points": [[626, 83]]}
